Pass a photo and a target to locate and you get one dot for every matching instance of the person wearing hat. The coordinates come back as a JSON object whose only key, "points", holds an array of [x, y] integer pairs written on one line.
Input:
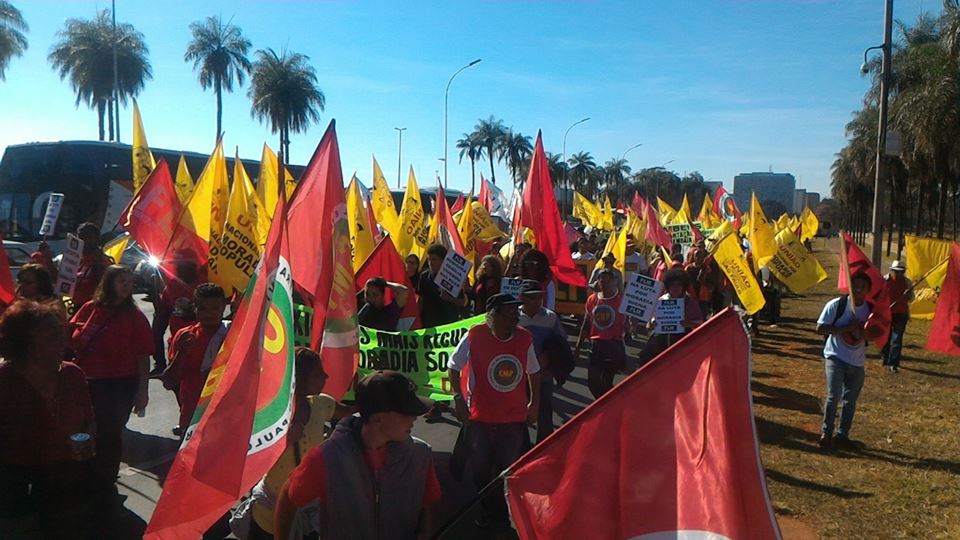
{"points": [[900, 292], [371, 477], [548, 338], [606, 263], [605, 326], [495, 404]]}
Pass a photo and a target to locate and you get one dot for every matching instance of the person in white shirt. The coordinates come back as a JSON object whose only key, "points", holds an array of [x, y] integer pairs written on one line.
{"points": [[583, 252]]}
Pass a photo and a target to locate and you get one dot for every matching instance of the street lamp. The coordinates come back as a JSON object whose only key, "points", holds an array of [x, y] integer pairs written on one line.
{"points": [[400, 131], [656, 184], [563, 153], [446, 96], [624, 158], [885, 81]]}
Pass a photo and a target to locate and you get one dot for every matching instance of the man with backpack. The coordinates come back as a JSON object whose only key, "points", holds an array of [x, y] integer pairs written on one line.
{"points": [[844, 350]]}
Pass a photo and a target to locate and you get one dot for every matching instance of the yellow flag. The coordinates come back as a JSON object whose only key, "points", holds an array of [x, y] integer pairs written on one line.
{"points": [[468, 234], [267, 188], [734, 265], [607, 215], [412, 234], [684, 212], [484, 228], [666, 212], [205, 212], [184, 182], [925, 257], [793, 265], [809, 224], [783, 221], [115, 248], [586, 211], [708, 217], [762, 244], [361, 234], [384, 210], [233, 259], [143, 162]]}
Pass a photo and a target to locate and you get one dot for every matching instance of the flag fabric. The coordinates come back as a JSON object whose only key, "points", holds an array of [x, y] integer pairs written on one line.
{"points": [[541, 214], [234, 257], [733, 263], [322, 264], [241, 423], [665, 211], [116, 247], [761, 236], [944, 333], [183, 183], [361, 237], [468, 235], [724, 205], [793, 265], [656, 234], [639, 204], [707, 216], [852, 262], [684, 213], [586, 211], [443, 230], [412, 230], [268, 180], [143, 162], [372, 219], [151, 216], [927, 268], [458, 204], [782, 222], [607, 215], [570, 235], [385, 262], [694, 230], [810, 223], [383, 206], [484, 196], [685, 465], [8, 291]]}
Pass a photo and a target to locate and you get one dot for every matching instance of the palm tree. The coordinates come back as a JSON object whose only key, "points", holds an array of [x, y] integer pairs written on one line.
{"points": [[12, 41], [515, 149], [582, 167], [284, 92], [84, 53], [614, 172], [490, 134], [471, 148], [219, 52]]}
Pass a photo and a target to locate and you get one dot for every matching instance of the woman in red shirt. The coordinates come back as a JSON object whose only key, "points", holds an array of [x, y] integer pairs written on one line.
{"points": [[46, 424], [112, 343]]}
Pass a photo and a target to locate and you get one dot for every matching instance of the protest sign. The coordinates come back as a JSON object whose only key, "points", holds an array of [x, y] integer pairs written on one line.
{"points": [[453, 272], [53, 212], [511, 286], [640, 297], [117, 200], [669, 316], [67, 276], [682, 234]]}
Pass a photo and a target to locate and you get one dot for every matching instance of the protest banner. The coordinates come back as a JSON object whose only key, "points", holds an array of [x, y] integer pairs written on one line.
{"points": [[669, 316], [511, 286], [682, 234], [67, 276], [453, 272], [118, 198], [54, 204], [641, 296]]}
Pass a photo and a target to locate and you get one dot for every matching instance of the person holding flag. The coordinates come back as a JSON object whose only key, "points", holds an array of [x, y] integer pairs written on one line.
{"points": [[376, 311], [900, 291], [606, 327]]}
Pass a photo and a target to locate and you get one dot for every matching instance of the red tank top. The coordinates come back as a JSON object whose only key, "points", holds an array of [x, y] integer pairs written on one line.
{"points": [[499, 370], [606, 321]]}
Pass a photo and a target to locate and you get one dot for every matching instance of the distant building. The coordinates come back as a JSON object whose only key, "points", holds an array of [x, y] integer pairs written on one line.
{"points": [[799, 200], [712, 185], [770, 188], [813, 200]]}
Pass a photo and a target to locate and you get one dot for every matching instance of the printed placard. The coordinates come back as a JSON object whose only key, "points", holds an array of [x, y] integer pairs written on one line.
{"points": [[69, 264], [511, 286], [640, 297], [53, 212], [669, 317], [453, 272], [117, 200]]}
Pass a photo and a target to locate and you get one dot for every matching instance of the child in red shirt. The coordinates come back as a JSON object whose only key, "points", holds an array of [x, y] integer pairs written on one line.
{"points": [[605, 326]]}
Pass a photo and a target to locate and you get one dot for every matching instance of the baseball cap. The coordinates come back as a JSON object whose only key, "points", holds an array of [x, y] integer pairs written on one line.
{"points": [[530, 286], [500, 300], [389, 391]]}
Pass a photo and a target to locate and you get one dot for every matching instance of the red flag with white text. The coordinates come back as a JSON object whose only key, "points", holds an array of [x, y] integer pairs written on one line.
{"points": [[152, 216]]}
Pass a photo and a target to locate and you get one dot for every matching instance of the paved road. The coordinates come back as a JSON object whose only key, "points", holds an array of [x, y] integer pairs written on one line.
{"points": [[149, 447]]}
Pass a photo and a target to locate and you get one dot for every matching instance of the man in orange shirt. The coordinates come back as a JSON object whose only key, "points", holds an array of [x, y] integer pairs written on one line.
{"points": [[900, 291]]}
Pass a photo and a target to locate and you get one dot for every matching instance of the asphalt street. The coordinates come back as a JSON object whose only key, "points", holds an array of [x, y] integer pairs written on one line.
{"points": [[149, 447]]}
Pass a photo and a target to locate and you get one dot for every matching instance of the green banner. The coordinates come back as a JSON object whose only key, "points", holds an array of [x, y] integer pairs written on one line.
{"points": [[422, 355]]}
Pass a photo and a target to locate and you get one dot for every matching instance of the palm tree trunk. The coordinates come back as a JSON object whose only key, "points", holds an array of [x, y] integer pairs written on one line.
{"points": [[891, 189], [101, 110], [218, 89], [110, 119], [943, 173], [493, 176], [473, 175]]}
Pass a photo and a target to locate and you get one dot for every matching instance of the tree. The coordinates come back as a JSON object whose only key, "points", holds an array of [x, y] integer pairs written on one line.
{"points": [[219, 55], [582, 167], [84, 54], [284, 92], [490, 133], [658, 182], [471, 147], [614, 173], [515, 149], [12, 41]]}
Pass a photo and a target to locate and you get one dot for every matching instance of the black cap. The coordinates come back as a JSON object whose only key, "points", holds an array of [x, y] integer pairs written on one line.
{"points": [[389, 391], [530, 286], [500, 300]]}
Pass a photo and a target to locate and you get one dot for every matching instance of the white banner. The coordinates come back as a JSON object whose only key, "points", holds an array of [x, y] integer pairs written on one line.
{"points": [[53, 212], [117, 201], [69, 264], [669, 316], [640, 297], [453, 272]]}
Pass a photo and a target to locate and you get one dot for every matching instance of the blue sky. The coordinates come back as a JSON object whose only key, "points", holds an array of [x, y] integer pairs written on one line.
{"points": [[717, 87]]}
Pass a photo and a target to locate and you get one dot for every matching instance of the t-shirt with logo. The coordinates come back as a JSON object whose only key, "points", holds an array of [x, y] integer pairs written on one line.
{"points": [[838, 347], [606, 321], [494, 372]]}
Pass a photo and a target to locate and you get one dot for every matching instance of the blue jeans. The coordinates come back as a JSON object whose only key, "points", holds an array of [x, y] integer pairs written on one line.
{"points": [[844, 382], [898, 327]]}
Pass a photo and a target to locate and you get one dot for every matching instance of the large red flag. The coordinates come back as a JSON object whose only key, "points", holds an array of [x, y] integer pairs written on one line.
{"points": [[639, 204], [945, 331], [686, 462], [540, 213], [241, 423], [457, 205], [878, 323], [443, 230], [656, 234], [322, 263], [385, 262], [725, 206], [153, 213], [484, 198], [8, 291]]}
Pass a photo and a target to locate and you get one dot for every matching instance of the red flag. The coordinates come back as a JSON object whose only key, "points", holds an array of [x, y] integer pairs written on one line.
{"points": [[457, 205], [687, 461], [945, 330], [878, 323], [725, 206], [639, 204], [570, 235], [153, 213], [322, 263], [443, 230], [242, 420], [8, 291], [372, 219], [540, 213], [656, 234], [694, 231], [485, 199], [385, 262]]}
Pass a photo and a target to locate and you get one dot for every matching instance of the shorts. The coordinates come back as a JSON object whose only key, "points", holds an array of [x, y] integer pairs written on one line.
{"points": [[608, 354]]}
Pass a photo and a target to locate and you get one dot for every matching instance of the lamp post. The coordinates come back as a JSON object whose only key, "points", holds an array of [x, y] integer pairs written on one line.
{"points": [[446, 97], [115, 110], [400, 131], [563, 153], [656, 185], [877, 222], [624, 158]]}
